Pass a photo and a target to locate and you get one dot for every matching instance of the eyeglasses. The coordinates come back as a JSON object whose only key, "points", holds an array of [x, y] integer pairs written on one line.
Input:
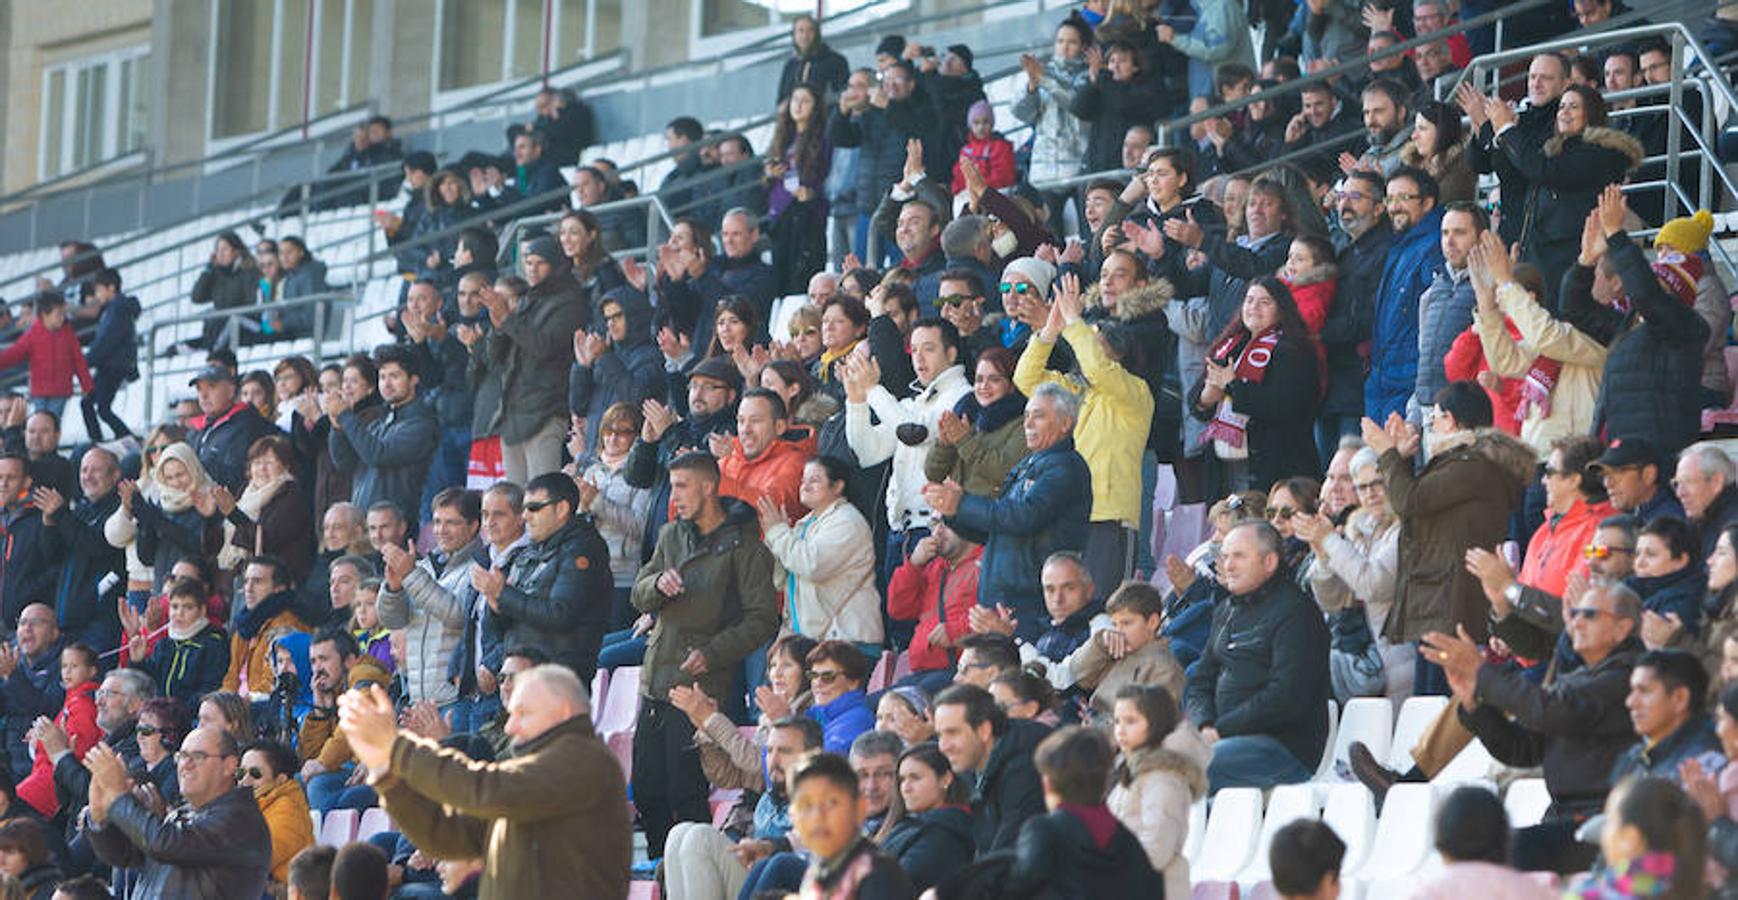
{"points": [[1596, 551], [1586, 612], [1356, 196], [1401, 198], [1017, 287], [194, 756], [954, 299], [1280, 513], [828, 677], [1368, 485], [538, 506], [611, 317], [147, 731]]}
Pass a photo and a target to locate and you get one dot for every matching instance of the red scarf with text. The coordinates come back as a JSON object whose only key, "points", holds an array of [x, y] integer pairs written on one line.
{"points": [[1252, 355]]}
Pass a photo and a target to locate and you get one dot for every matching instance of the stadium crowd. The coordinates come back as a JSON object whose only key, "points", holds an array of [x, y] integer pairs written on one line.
{"points": [[963, 519]]}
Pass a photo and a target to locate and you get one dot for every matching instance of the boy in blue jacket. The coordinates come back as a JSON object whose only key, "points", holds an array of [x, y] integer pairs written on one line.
{"points": [[113, 355]]}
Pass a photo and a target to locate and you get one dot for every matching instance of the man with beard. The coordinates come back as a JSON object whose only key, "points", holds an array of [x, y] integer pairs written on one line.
{"points": [[1385, 121], [1363, 239], [1445, 307], [1417, 252]]}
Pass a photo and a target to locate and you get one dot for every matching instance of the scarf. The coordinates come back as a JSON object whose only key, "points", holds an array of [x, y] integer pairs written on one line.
{"points": [[989, 418], [1649, 875], [1252, 353], [253, 499], [1540, 381], [252, 618], [179, 501], [828, 357]]}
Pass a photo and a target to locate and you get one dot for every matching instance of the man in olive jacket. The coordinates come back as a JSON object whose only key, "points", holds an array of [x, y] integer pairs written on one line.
{"points": [[552, 821], [710, 584]]}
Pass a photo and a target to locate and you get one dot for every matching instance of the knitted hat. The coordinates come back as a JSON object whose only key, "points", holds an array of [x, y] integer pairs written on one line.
{"points": [[980, 109], [892, 45], [1687, 234], [1035, 270], [1679, 273], [547, 247]]}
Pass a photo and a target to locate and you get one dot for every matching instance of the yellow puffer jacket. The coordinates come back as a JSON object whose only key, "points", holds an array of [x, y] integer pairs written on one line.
{"points": [[286, 810]]}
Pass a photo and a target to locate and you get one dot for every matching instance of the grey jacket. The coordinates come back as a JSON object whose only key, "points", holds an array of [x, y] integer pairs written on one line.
{"points": [[431, 606], [1444, 311], [389, 456], [220, 850], [1058, 136], [532, 351]]}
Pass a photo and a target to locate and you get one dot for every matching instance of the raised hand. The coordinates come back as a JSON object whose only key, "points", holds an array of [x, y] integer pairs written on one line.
{"points": [[1499, 112], [634, 273], [224, 500], [1180, 574], [1034, 70], [367, 721], [1094, 61], [951, 429], [1185, 231], [48, 500], [945, 497], [1613, 209], [1593, 244], [659, 418], [1148, 238], [720, 445], [913, 160], [398, 564], [1472, 103]]}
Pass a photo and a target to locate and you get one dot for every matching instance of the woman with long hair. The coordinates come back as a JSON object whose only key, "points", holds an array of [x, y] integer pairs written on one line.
{"points": [[929, 823], [1438, 146], [733, 326], [581, 237], [446, 204], [230, 279], [797, 165], [1259, 391]]}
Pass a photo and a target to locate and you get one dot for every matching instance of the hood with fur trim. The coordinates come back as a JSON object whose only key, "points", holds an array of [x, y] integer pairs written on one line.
{"points": [[1512, 456], [1182, 752], [1409, 156], [1144, 300], [1609, 138], [1315, 275]]}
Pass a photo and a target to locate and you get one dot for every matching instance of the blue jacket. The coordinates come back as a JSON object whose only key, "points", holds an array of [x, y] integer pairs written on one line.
{"points": [[116, 345], [1444, 312], [630, 372], [842, 720], [1394, 338], [1694, 739], [1044, 506]]}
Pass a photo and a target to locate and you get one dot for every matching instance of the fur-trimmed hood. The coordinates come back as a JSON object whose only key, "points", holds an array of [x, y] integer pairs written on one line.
{"points": [[1609, 138], [1183, 753], [816, 410], [1144, 300], [1315, 275], [1515, 458], [1409, 156]]}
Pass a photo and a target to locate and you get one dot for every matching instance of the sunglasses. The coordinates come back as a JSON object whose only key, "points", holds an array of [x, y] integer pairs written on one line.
{"points": [[254, 772], [819, 677], [1280, 513], [1594, 551], [1017, 287], [539, 505], [147, 731], [1585, 612]]}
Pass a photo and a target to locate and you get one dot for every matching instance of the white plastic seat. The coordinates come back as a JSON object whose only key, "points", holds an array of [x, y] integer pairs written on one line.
{"points": [[1526, 802], [1416, 714], [1402, 840], [1367, 720], [1232, 822], [1325, 769], [599, 693], [1287, 804], [1351, 812], [337, 828], [1472, 764], [374, 821], [1197, 828]]}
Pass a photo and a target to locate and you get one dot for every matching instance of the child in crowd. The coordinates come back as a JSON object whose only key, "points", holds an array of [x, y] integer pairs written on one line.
{"points": [[1078, 849], [987, 149], [1025, 693], [374, 638], [75, 724], [1128, 652], [51, 349], [189, 656], [1305, 859], [114, 354], [1654, 844], [827, 813], [1312, 276], [1162, 769]]}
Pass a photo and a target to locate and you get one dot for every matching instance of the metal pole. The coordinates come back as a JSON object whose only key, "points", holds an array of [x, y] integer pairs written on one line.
{"points": [[1711, 134], [307, 69], [1674, 136]]}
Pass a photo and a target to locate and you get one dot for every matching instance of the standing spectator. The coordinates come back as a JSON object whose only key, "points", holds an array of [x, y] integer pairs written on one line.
{"points": [[1260, 690], [1058, 140], [271, 516], [617, 508], [1220, 36], [1547, 77], [113, 354], [1653, 337], [565, 123], [225, 427], [760, 465], [1462, 498], [442, 362], [1438, 147], [172, 524], [1364, 241], [390, 456], [74, 727], [427, 597], [715, 543], [1416, 253], [1044, 507], [713, 386], [981, 438], [986, 148], [978, 738], [582, 236], [813, 62], [228, 281], [529, 346], [1116, 96], [620, 366], [828, 561], [86, 562], [41, 444], [796, 170], [51, 350], [219, 844], [880, 124], [31, 688], [25, 569], [1445, 308]]}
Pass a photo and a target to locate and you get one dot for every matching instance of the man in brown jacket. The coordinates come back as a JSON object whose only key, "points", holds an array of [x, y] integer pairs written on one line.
{"points": [[552, 821]]}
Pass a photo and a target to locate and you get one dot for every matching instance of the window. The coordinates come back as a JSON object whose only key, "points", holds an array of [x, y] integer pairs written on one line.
{"points": [[276, 62], [486, 42], [91, 111], [722, 25]]}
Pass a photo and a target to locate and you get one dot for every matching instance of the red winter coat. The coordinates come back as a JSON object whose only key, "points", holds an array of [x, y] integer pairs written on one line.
{"points": [[54, 358], [927, 593], [1464, 362], [78, 717], [995, 158]]}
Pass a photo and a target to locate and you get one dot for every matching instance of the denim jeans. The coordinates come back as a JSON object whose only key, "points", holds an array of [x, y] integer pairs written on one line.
{"points": [[468, 714], [1253, 760], [56, 405], [327, 791], [447, 469], [621, 648], [780, 873]]}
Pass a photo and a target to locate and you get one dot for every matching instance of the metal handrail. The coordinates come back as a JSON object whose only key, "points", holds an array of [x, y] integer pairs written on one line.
{"points": [[233, 314]]}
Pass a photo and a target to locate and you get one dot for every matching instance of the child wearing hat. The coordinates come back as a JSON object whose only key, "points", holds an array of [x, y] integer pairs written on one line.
{"points": [[1682, 248]]}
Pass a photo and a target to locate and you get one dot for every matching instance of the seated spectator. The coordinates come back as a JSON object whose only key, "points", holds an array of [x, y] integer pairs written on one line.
{"points": [[310, 873], [1471, 833], [359, 872], [1161, 770], [1667, 702], [1670, 584], [228, 281], [1325, 121], [268, 769], [1305, 858], [977, 737], [190, 658], [430, 598], [267, 592], [905, 711], [845, 860], [1262, 708], [1070, 622], [163, 723], [328, 763], [929, 827], [828, 557], [533, 175], [837, 674], [1633, 473], [938, 585], [1654, 833], [1707, 485], [1025, 693], [25, 856], [1129, 652], [965, 249]]}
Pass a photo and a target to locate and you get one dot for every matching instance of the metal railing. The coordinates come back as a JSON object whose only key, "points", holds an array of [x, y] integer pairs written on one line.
{"points": [[232, 330]]}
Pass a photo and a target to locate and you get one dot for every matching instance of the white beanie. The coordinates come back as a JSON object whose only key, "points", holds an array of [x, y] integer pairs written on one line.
{"points": [[1035, 270]]}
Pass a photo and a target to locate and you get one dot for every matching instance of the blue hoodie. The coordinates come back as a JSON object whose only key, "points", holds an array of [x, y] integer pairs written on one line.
{"points": [[116, 344], [842, 720]]}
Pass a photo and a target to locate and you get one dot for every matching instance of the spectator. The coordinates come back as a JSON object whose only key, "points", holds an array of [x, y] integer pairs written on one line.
{"points": [[1667, 703], [51, 350], [534, 175], [985, 148], [979, 739], [25, 857], [310, 873], [220, 845], [621, 365], [267, 592], [583, 238], [72, 730], [1472, 837], [761, 465], [1220, 37], [980, 439], [428, 598], [1160, 771], [172, 524], [795, 179], [1385, 118], [191, 657], [1365, 241], [113, 354], [359, 872], [1631, 472], [1653, 350], [389, 456], [828, 557], [1116, 95], [937, 585], [721, 556], [1416, 254], [1259, 713], [271, 516], [225, 427], [881, 123], [1445, 308], [445, 803], [1305, 858], [1707, 485], [1437, 147], [228, 281], [929, 828], [1547, 77], [1324, 123], [813, 63], [904, 711], [618, 508], [565, 123], [966, 249], [328, 762], [268, 769], [1043, 508], [72, 538], [40, 439], [1128, 652], [1058, 140], [837, 673], [1653, 833], [712, 389], [528, 347]]}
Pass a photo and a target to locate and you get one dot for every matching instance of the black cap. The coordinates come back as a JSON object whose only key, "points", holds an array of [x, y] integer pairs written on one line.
{"points": [[719, 369], [212, 373], [963, 52], [1624, 453]]}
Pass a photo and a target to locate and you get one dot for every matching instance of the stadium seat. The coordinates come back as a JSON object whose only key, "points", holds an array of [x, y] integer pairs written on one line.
{"points": [[599, 693], [1367, 720], [338, 828], [1350, 811], [880, 678], [1232, 822], [1325, 770], [901, 666], [621, 712], [643, 890], [1286, 804], [1402, 838], [1471, 764], [1526, 802], [1197, 828], [1214, 890], [1416, 714], [374, 821], [1262, 891]]}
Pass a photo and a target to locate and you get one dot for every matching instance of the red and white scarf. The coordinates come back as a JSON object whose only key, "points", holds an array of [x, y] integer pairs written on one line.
{"points": [[1253, 354], [1540, 381]]}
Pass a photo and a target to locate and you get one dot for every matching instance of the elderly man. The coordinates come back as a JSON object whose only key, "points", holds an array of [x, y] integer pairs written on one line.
{"points": [[73, 539], [1576, 727], [215, 844], [31, 686], [427, 597], [390, 455], [1259, 692], [1339, 497], [452, 808], [224, 429], [1705, 484], [122, 695], [1044, 506]]}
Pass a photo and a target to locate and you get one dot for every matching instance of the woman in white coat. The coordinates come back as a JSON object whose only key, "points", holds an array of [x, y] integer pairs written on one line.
{"points": [[1160, 772], [826, 561]]}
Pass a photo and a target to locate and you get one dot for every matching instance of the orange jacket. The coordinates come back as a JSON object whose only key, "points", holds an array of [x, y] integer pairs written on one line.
{"points": [[1555, 549], [777, 473]]}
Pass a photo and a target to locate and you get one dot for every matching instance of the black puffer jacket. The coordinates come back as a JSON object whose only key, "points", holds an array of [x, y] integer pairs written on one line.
{"points": [[1564, 177], [1533, 127], [1350, 318], [932, 845], [221, 850], [881, 133], [557, 597], [1653, 371], [1577, 727], [1112, 107], [1059, 859], [1009, 791]]}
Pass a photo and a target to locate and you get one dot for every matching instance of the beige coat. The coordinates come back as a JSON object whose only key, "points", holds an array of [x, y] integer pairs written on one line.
{"points": [[1093, 667], [1583, 359], [1152, 790]]}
